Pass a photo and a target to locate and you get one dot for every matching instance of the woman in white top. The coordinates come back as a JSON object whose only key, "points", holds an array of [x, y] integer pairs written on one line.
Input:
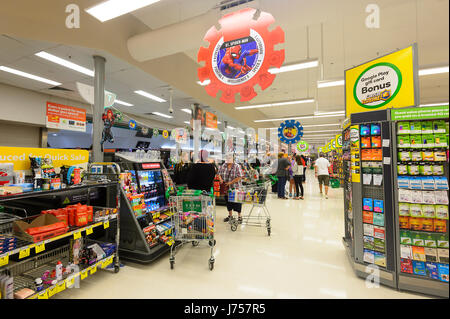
{"points": [[298, 171]]}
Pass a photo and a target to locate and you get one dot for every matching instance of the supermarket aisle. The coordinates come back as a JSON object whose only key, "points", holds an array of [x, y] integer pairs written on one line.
{"points": [[304, 258]]}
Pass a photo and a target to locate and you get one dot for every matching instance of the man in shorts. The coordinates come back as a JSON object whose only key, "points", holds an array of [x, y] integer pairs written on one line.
{"points": [[321, 167]]}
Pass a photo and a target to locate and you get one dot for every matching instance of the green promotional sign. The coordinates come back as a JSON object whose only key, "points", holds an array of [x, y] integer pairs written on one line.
{"points": [[302, 146], [420, 113]]}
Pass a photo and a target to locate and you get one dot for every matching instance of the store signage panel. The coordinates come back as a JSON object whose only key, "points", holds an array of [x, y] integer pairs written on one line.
{"points": [[20, 156], [240, 54], [290, 132], [65, 117], [420, 113], [386, 82], [339, 141], [210, 120], [151, 165]]}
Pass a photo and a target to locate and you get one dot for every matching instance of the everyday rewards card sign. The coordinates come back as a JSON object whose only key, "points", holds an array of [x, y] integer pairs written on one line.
{"points": [[387, 82]]}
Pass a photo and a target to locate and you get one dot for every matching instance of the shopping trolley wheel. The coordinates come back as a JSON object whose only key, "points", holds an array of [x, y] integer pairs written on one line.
{"points": [[172, 262], [211, 264], [212, 243], [116, 268], [268, 231], [195, 243], [234, 224]]}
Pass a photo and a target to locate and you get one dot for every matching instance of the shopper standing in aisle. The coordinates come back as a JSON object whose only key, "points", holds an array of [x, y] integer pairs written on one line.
{"points": [[299, 171], [322, 167], [201, 175], [291, 175], [282, 174], [305, 161], [231, 174]]}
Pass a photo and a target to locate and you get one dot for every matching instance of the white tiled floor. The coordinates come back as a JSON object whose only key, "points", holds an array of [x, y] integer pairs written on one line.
{"points": [[303, 258]]}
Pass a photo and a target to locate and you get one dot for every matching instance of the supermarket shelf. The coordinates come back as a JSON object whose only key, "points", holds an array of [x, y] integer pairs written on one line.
{"points": [[411, 282], [40, 246]]}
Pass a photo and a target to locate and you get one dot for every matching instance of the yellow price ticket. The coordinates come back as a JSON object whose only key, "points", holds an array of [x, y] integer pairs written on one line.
{"points": [[89, 230], [4, 260], [77, 235], [39, 248], [24, 253], [70, 282], [52, 291], [106, 224], [61, 286], [84, 274], [43, 295], [93, 270]]}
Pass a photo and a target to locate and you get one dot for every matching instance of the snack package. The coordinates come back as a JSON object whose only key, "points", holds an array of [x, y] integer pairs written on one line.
{"points": [[406, 265], [402, 169], [418, 253], [432, 270], [404, 209], [427, 127], [441, 197], [416, 210], [442, 255], [404, 222], [376, 141], [367, 217], [415, 223], [403, 128], [375, 129], [405, 237], [428, 140], [428, 211], [419, 268], [378, 219], [443, 272], [404, 156], [441, 211], [415, 140], [431, 254], [440, 226], [413, 169], [439, 126], [368, 204]]}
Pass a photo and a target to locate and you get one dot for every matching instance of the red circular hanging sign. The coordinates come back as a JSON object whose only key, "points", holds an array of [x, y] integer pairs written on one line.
{"points": [[240, 54]]}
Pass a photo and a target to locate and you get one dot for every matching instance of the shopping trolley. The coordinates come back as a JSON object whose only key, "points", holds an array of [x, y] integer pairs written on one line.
{"points": [[193, 220], [256, 195]]}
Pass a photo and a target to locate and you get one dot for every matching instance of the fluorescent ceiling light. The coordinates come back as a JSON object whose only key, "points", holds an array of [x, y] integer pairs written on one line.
{"points": [[65, 63], [275, 104], [187, 122], [316, 125], [330, 83], [307, 132], [299, 117], [295, 67], [204, 83], [187, 111], [122, 102], [218, 122], [150, 96], [162, 115], [430, 71], [28, 75], [434, 104], [328, 113], [230, 127], [114, 8]]}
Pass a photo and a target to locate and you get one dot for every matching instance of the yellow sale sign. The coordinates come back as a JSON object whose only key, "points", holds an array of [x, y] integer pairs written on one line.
{"points": [[390, 81], [20, 156]]}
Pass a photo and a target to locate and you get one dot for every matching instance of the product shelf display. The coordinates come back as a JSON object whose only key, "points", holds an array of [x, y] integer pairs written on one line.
{"points": [[49, 237], [348, 159], [146, 226], [421, 201]]}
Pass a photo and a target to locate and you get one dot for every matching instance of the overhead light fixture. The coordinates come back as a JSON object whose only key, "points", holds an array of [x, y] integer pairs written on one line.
{"points": [[230, 127], [204, 83], [218, 122], [299, 118], [65, 63], [28, 75], [275, 104], [187, 122], [437, 70], [434, 104], [295, 67], [122, 102], [329, 113], [111, 9], [162, 115], [150, 96], [187, 111], [330, 83], [316, 135], [307, 132]]}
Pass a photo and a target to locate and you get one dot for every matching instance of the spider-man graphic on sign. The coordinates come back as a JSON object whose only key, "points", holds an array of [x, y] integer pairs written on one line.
{"points": [[236, 63]]}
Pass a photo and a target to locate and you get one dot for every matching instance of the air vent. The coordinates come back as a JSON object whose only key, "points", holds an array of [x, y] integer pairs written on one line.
{"points": [[227, 4], [59, 88]]}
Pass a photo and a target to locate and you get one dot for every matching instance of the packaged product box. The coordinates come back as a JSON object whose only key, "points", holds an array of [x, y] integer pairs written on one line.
{"points": [[403, 141], [442, 240], [375, 129], [368, 204], [406, 266], [368, 242], [430, 240], [439, 156], [378, 232], [443, 272], [402, 169], [403, 128], [440, 225], [441, 211], [439, 126], [419, 268], [428, 140], [378, 219], [380, 259], [404, 222], [432, 270], [415, 128], [404, 156], [416, 156], [378, 205], [368, 230], [428, 211], [441, 197], [438, 169], [427, 127], [367, 217], [442, 255], [416, 210], [413, 169], [379, 245], [428, 197], [365, 142], [377, 154], [369, 256], [417, 239], [431, 254], [427, 224], [405, 237], [376, 141], [415, 140], [440, 140], [418, 253], [406, 252], [428, 155], [364, 130], [42, 227]]}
